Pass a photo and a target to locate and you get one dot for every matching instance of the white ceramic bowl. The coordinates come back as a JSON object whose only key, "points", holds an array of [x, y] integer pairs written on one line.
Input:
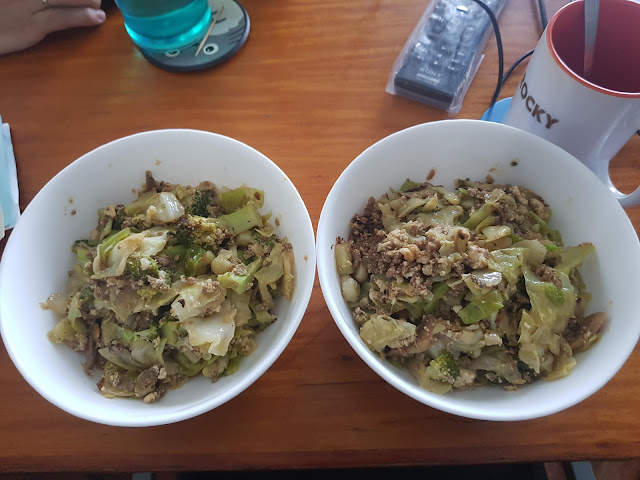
{"points": [[583, 210], [38, 256]]}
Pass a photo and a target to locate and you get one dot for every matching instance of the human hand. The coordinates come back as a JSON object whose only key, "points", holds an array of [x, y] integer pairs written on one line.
{"points": [[24, 23]]}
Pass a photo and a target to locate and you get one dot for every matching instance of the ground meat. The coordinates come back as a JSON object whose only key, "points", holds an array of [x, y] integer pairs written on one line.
{"points": [[548, 274], [79, 342], [413, 254], [369, 221], [580, 331], [239, 269], [475, 192], [246, 345], [464, 379], [538, 207], [113, 377], [518, 195], [531, 236], [152, 397], [507, 212], [259, 250], [404, 256], [210, 286], [158, 283], [477, 257], [360, 316], [164, 260]]}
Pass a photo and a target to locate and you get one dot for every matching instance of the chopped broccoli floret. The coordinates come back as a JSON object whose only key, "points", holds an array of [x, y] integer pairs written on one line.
{"points": [[86, 296], [120, 217], [81, 249], [147, 293], [199, 202], [443, 368], [203, 231], [526, 369], [262, 240], [140, 267], [166, 274]]}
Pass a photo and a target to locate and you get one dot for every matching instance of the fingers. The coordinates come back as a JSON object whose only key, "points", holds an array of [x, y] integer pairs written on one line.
{"points": [[53, 19], [74, 3]]}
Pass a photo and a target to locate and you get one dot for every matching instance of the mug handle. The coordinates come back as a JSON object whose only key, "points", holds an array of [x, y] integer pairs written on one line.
{"points": [[625, 200]]}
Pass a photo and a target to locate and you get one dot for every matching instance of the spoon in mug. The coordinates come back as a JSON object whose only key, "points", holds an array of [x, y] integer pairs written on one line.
{"points": [[591, 12]]}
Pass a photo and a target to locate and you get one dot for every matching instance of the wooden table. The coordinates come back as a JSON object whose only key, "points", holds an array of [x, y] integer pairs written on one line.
{"points": [[307, 90]]}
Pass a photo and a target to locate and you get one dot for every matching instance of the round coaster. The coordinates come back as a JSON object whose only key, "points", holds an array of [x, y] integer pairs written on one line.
{"points": [[228, 35], [497, 112]]}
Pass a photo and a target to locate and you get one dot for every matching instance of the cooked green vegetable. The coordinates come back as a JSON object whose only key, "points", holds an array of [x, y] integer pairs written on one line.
{"points": [[243, 219], [443, 368], [467, 287], [439, 290], [240, 282], [200, 202], [175, 284], [203, 231], [344, 261], [480, 308], [233, 200], [197, 260], [572, 257], [140, 267], [408, 185], [381, 330], [105, 248]]}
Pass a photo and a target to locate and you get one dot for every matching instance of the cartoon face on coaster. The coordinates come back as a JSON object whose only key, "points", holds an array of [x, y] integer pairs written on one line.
{"points": [[229, 32]]}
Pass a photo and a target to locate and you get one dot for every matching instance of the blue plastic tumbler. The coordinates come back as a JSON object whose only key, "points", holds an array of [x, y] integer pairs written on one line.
{"points": [[164, 25]]}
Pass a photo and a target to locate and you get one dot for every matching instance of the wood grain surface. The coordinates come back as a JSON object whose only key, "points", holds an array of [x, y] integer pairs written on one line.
{"points": [[308, 91]]}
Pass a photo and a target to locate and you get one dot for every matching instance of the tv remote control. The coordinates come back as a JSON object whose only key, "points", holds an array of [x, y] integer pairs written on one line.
{"points": [[439, 67]]}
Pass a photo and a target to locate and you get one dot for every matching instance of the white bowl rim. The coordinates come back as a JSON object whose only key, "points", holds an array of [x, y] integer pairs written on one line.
{"points": [[205, 406], [422, 395]]}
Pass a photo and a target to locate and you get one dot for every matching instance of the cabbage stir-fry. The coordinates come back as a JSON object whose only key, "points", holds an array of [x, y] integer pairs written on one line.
{"points": [[175, 284], [466, 287]]}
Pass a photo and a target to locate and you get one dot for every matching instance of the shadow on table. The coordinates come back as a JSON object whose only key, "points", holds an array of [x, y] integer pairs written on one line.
{"points": [[597, 470], [529, 471]]}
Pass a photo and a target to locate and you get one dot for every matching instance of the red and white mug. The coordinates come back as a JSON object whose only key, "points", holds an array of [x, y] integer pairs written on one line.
{"points": [[590, 118]]}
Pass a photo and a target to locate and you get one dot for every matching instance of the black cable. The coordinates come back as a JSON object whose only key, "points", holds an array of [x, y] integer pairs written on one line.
{"points": [[515, 64], [496, 31], [543, 14]]}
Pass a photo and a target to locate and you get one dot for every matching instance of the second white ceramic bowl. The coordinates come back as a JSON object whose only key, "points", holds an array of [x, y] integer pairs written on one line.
{"points": [[583, 210]]}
